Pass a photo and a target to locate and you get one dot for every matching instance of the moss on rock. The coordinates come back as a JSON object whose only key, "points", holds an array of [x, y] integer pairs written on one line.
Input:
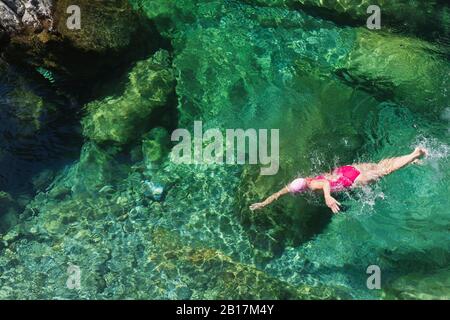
{"points": [[123, 118]]}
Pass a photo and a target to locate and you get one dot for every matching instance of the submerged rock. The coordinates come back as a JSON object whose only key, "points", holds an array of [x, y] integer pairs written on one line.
{"points": [[430, 17], [421, 287], [8, 212], [155, 147], [425, 18], [42, 180], [121, 119], [383, 62], [5, 199], [210, 274], [153, 190], [95, 169]]}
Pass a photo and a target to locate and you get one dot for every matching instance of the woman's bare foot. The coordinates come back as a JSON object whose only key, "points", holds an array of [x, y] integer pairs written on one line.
{"points": [[421, 152]]}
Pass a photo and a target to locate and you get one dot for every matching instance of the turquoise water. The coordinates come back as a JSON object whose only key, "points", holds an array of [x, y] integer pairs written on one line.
{"points": [[339, 94]]}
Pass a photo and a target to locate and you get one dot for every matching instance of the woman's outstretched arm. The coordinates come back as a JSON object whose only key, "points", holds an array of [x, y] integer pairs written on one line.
{"points": [[331, 202], [269, 200]]}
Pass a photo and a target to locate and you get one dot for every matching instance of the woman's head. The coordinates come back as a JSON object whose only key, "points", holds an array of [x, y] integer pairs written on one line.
{"points": [[298, 185]]}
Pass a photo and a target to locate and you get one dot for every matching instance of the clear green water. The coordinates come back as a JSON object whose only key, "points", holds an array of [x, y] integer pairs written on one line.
{"points": [[338, 93]]}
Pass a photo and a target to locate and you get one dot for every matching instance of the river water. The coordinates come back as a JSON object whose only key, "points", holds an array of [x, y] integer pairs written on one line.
{"points": [[339, 93]]}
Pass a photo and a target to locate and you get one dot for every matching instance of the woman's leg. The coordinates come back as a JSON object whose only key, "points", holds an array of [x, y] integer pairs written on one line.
{"points": [[372, 172], [388, 166], [369, 172]]}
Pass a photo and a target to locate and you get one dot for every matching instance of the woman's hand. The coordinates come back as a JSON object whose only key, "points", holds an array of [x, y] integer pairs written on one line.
{"points": [[257, 206], [269, 200], [333, 204]]}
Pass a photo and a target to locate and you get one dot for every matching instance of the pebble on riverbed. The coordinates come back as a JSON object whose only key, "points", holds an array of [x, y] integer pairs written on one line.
{"points": [[154, 190]]}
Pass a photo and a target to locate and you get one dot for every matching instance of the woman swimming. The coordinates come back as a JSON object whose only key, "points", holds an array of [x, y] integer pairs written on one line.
{"points": [[345, 177]]}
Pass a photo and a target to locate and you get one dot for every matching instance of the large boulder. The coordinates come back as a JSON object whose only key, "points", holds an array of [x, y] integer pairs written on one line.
{"points": [[37, 34], [17, 15]]}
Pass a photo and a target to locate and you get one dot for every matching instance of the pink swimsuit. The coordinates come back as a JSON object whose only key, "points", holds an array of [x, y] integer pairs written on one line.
{"points": [[346, 177]]}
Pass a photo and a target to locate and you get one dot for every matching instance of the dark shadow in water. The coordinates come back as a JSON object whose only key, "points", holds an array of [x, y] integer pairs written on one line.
{"points": [[286, 223], [424, 261], [111, 77], [29, 145]]}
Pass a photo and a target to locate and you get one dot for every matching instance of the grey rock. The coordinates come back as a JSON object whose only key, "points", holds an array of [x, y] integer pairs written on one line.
{"points": [[16, 15]]}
